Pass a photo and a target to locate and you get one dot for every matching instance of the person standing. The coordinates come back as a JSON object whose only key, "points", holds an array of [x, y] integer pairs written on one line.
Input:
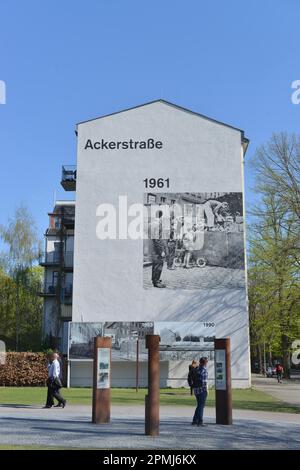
{"points": [[188, 245], [159, 251], [171, 251], [200, 391], [279, 372], [54, 383], [50, 400]]}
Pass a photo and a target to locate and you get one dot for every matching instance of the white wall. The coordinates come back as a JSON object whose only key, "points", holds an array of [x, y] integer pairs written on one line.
{"points": [[198, 155], [172, 374]]}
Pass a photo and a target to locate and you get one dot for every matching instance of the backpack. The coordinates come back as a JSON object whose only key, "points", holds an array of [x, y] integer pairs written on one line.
{"points": [[193, 377]]}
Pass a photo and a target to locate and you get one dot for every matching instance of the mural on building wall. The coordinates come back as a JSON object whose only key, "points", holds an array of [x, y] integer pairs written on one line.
{"points": [[193, 240], [185, 340], [126, 338], [81, 339], [179, 340]]}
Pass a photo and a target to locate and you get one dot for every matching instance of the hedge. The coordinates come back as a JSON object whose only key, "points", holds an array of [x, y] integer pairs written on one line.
{"points": [[22, 369]]}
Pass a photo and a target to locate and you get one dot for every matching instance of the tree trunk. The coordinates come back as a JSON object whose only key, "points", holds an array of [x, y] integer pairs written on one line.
{"points": [[270, 357], [260, 361], [285, 356], [17, 314]]}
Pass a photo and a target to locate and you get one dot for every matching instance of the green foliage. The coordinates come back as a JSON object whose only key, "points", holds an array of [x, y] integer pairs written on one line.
{"points": [[20, 282], [274, 253], [30, 309], [21, 238]]}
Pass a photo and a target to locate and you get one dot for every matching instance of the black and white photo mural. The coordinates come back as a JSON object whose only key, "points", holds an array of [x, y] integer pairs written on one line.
{"points": [[193, 240]]}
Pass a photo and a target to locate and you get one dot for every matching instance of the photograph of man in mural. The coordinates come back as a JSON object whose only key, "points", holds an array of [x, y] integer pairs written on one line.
{"points": [[198, 232]]}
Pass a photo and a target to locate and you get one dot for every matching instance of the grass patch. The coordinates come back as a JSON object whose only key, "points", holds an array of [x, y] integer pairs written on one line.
{"points": [[33, 447], [246, 399]]}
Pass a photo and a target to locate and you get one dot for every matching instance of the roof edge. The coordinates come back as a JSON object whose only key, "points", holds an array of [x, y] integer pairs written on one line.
{"points": [[244, 140]]}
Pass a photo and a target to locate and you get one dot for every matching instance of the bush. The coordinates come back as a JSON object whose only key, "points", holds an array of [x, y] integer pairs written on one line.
{"points": [[22, 369]]}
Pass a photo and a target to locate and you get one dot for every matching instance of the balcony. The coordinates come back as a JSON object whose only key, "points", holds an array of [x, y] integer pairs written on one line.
{"points": [[53, 258], [50, 258], [51, 290], [68, 177], [66, 312], [66, 294]]}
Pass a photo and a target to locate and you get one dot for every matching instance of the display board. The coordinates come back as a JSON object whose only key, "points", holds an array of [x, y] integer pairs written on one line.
{"points": [[103, 368], [220, 369]]}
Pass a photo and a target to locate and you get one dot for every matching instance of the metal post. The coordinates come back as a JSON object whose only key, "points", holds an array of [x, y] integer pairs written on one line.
{"points": [[137, 367], [265, 362], [101, 383], [223, 381], [152, 399]]}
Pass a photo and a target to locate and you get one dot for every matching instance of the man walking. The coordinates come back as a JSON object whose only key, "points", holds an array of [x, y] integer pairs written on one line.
{"points": [[54, 383], [200, 391]]}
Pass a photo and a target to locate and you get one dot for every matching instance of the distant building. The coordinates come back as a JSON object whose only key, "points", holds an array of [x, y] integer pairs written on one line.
{"points": [[57, 259]]}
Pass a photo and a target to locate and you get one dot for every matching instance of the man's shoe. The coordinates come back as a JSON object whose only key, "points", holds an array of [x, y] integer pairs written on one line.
{"points": [[63, 404], [47, 407], [160, 285], [194, 424], [201, 425], [59, 405]]}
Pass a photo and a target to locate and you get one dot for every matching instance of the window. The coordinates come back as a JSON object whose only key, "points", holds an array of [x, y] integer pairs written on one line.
{"points": [[54, 278], [151, 198]]}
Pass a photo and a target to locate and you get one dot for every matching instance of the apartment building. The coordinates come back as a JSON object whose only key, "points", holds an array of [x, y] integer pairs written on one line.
{"points": [[57, 259]]}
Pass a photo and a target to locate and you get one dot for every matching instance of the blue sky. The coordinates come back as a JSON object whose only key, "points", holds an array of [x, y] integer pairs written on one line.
{"points": [[64, 62]]}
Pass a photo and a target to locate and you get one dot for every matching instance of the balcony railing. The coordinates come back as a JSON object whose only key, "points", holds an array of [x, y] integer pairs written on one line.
{"points": [[54, 258], [68, 177], [66, 294], [49, 289], [49, 258]]}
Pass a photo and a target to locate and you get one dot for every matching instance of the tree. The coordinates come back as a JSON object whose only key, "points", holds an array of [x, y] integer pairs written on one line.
{"points": [[277, 168], [23, 246], [274, 255]]}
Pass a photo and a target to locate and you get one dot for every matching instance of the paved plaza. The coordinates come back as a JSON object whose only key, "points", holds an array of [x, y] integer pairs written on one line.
{"points": [[288, 391], [72, 428], [208, 277]]}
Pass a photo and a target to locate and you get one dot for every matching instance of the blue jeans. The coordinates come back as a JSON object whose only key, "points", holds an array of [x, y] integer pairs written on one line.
{"points": [[198, 415]]}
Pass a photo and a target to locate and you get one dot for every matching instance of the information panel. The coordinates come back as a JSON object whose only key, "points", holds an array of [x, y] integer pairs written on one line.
{"points": [[220, 369], [103, 368]]}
